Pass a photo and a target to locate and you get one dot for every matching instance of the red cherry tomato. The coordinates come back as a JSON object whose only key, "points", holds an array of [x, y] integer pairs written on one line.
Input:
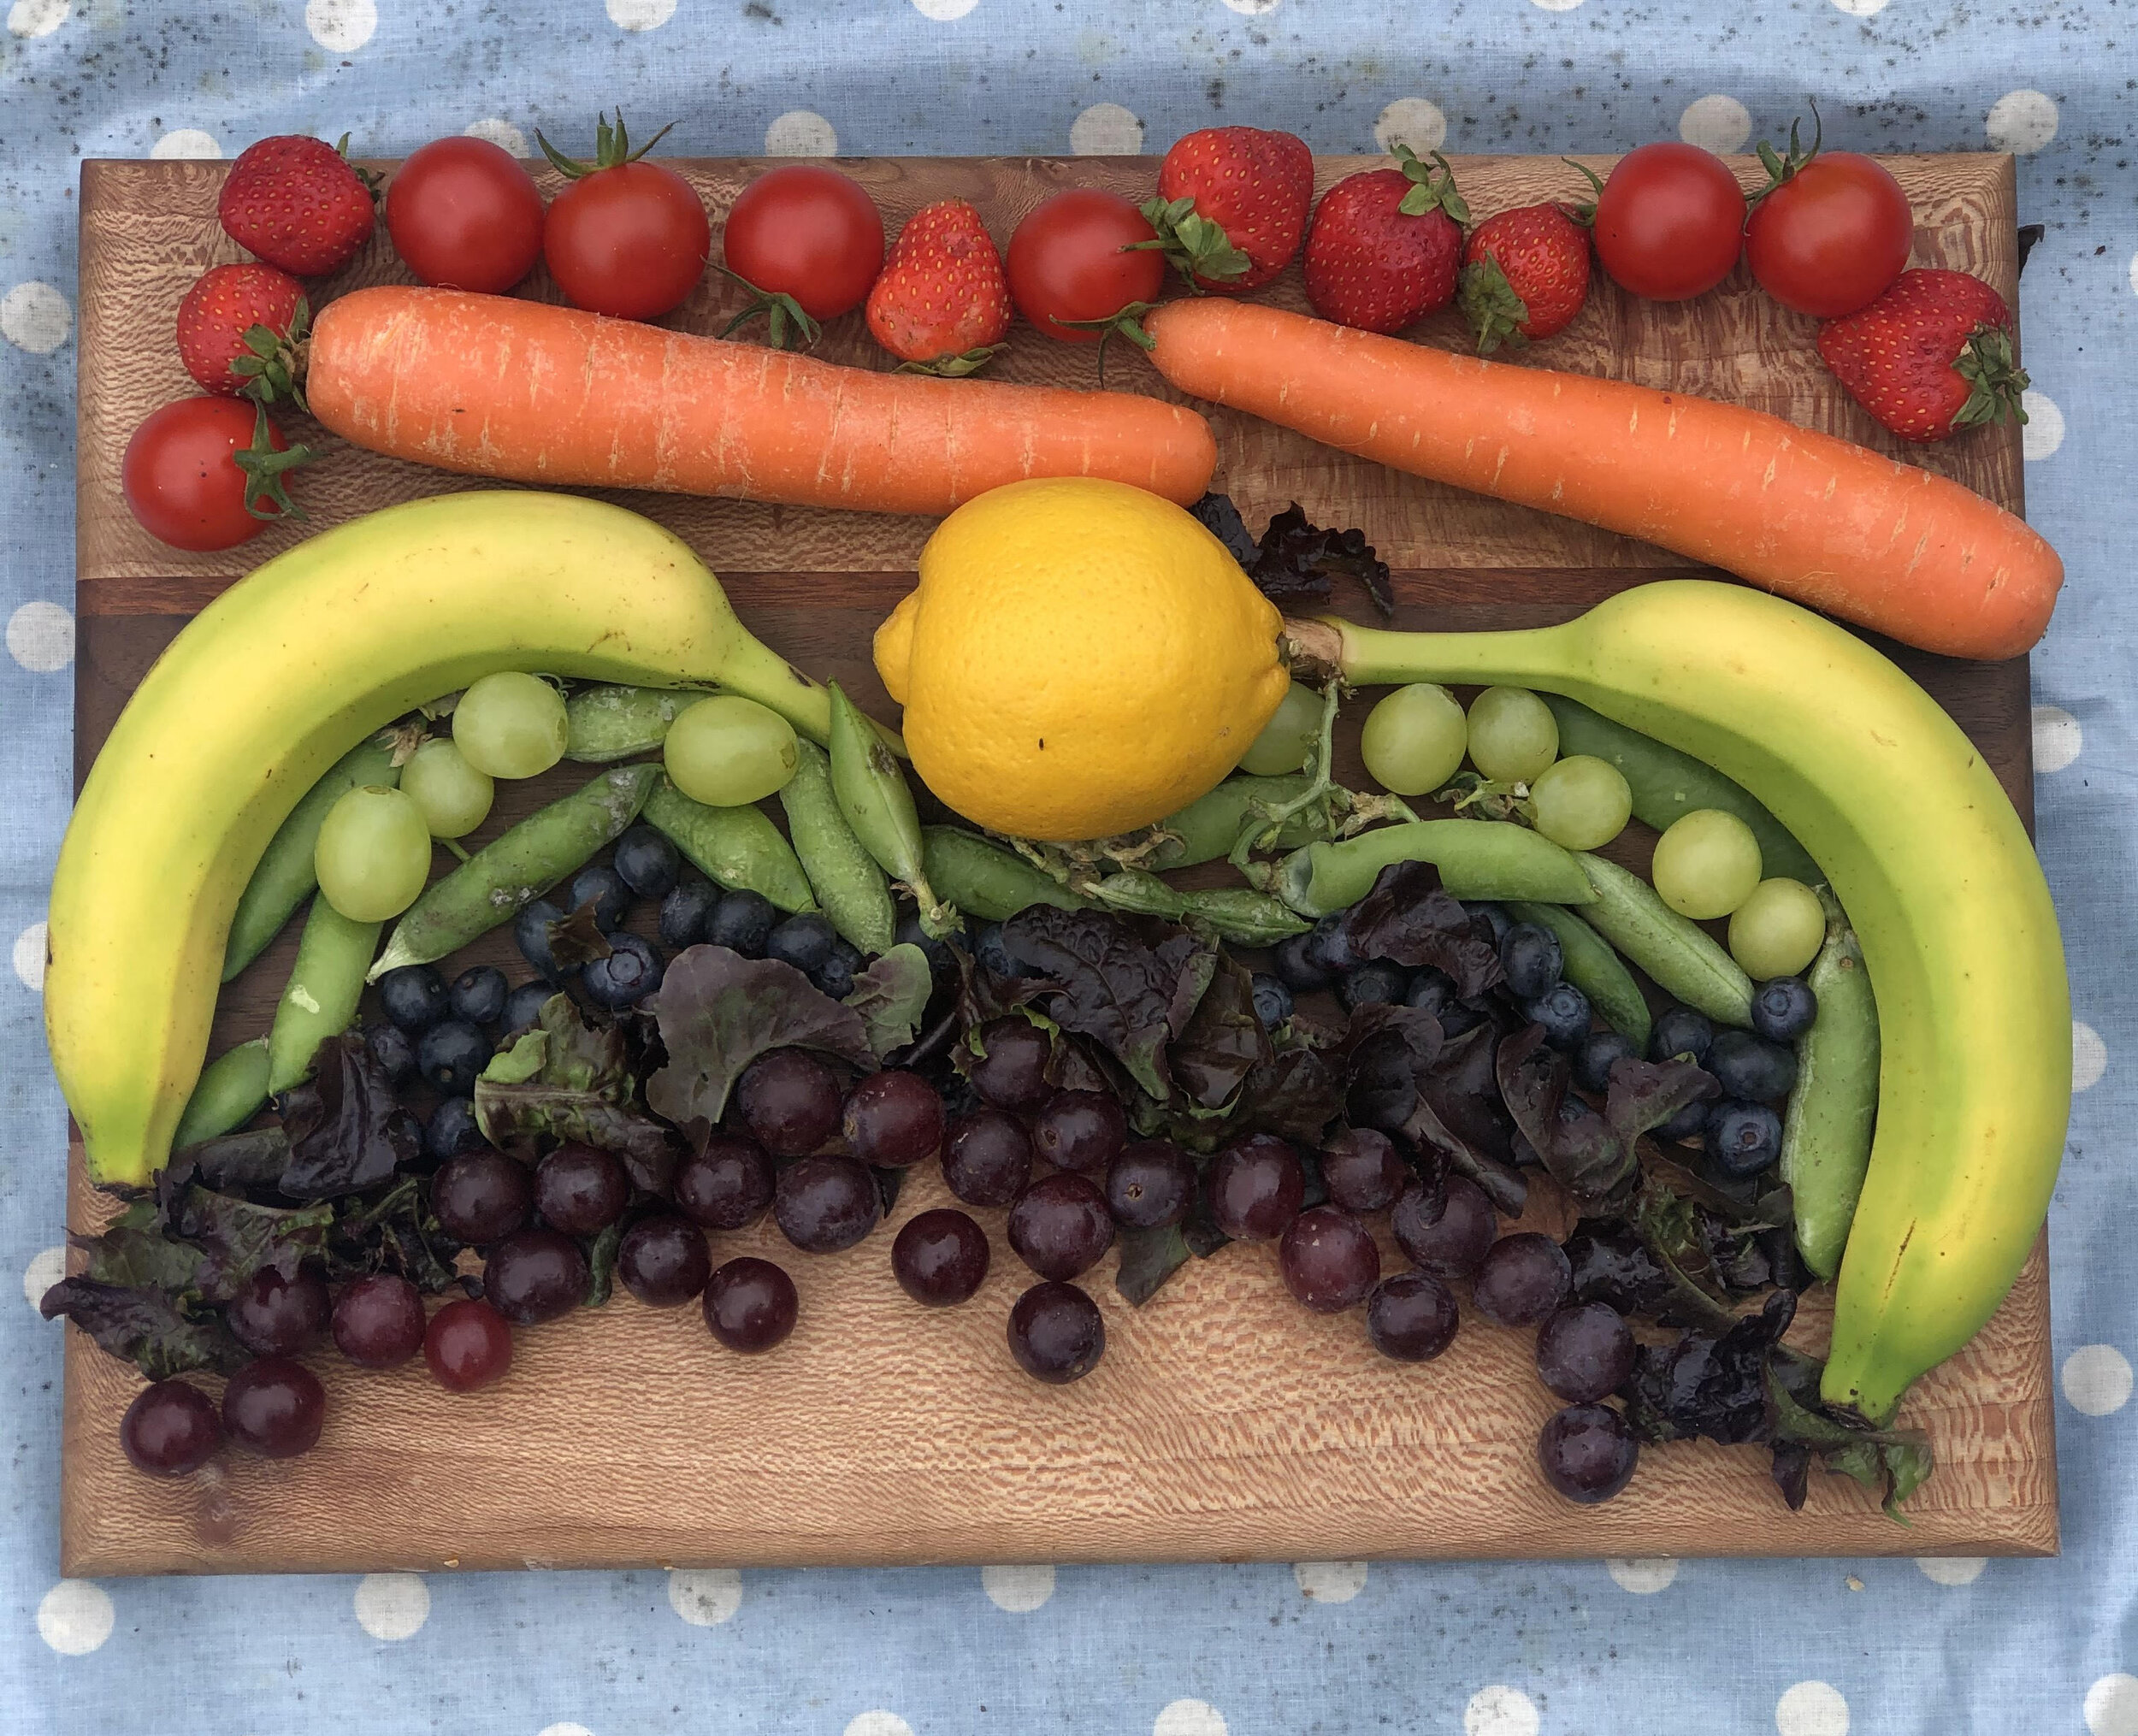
{"points": [[1833, 237], [809, 233], [1065, 261], [631, 241], [181, 482], [1669, 222], [464, 215]]}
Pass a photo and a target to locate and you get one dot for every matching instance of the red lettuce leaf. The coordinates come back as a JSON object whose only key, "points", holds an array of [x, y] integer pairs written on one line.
{"points": [[347, 1131], [1111, 987], [146, 1326], [1223, 1042], [1407, 919]]}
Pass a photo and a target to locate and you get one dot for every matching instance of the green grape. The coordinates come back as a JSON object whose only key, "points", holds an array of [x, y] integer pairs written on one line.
{"points": [[373, 853], [728, 751], [454, 796], [1778, 931], [1581, 802], [1512, 734], [1413, 740], [510, 725], [1287, 737], [1706, 865]]}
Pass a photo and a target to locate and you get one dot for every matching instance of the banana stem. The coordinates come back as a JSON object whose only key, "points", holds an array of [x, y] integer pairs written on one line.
{"points": [[1376, 657]]}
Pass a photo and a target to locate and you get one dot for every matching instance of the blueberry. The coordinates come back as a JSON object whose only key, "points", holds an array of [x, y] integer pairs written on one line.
{"points": [[1564, 1011], [1329, 948], [452, 1130], [451, 1055], [1431, 990], [630, 972], [1531, 958], [1593, 1060], [993, 955], [524, 1005], [1681, 1034], [803, 941], [1689, 1122], [530, 933], [604, 888], [1784, 1009], [478, 994], [647, 862], [835, 976], [1744, 1138], [395, 1055], [942, 963], [1496, 920], [1379, 982], [1296, 968], [1753, 1068], [1273, 999], [745, 923], [414, 997], [685, 912]]}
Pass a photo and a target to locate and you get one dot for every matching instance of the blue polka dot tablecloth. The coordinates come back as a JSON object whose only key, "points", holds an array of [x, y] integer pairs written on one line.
{"points": [[1658, 1647]]}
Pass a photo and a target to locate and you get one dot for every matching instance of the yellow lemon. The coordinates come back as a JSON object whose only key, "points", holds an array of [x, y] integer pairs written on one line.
{"points": [[1081, 658]]}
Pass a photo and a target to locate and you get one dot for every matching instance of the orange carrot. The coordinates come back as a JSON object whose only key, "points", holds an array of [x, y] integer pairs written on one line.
{"points": [[492, 386], [1827, 522]]}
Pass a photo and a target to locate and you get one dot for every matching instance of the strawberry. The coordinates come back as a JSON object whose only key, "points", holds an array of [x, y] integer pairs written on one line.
{"points": [[1930, 356], [297, 204], [942, 304], [1385, 245], [238, 329], [1525, 275], [1232, 206]]}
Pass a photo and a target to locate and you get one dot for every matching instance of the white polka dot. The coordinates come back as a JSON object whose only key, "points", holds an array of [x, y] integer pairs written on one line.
{"points": [[704, 1597], [1861, 9], [501, 132], [392, 1606], [1718, 123], [1555, 6], [944, 11], [35, 316], [2044, 430], [75, 1617], [1501, 1711], [2058, 738], [341, 27], [799, 132], [41, 637], [1951, 1570], [2021, 121], [2134, 274], [1018, 1590], [640, 14], [37, 17], [1188, 1718], [44, 1270], [1811, 1709], [1251, 9], [2097, 1379], [877, 1724], [1646, 1574], [2111, 1706], [2089, 1056], [1329, 1582], [183, 143], [1106, 129], [1413, 121], [28, 958], [563, 1730]]}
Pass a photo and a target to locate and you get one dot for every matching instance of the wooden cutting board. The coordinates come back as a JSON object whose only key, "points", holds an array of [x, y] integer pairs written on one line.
{"points": [[1224, 1422]]}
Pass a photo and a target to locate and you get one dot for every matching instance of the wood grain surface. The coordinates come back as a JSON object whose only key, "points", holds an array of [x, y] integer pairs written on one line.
{"points": [[1224, 1422]]}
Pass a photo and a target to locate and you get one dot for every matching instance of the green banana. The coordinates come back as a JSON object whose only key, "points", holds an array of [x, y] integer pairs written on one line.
{"points": [[1922, 849], [277, 679]]}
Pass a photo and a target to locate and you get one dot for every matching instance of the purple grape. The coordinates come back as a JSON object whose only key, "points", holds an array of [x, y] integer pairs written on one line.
{"points": [[790, 1100], [1011, 1073], [1446, 1231], [274, 1407], [894, 1119], [826, 1204], [1523, 1279], [581, 1189], [1585, 1352], [1411, 1317], [663, 1261], [1060, 1227], [940, 1257], [987, 1159], [1256, 1188], [1328, 1259], [278, 1316], [727, 1185], [535, 1275], [750, 1305], [1056, 1333], [480, 1195], [1081, 1131], [379, 1320], [1151, 1185], [1588, 1453], [1363, 1170], [170, 1430]]}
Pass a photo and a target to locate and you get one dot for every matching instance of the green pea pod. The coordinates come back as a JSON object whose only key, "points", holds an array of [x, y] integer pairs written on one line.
{"points": [[986, 879], [1477, 858], [1240, 914], [514, 870], [1826, 1135], [610, 722], [739, 848], [878, 805], [1207, 829], [231, 1091], [1678, 953], [850, 887], [1593, 968], [285, 877], [320, 999], [1667, 785]]}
